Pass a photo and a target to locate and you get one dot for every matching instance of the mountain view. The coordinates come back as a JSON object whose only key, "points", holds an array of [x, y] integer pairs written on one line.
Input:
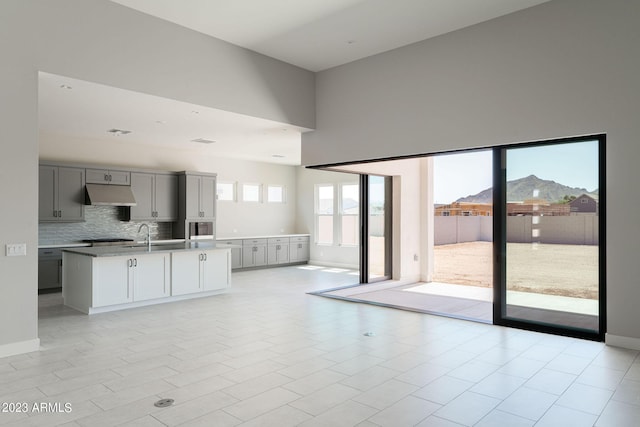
{"points": [[522, 189]]}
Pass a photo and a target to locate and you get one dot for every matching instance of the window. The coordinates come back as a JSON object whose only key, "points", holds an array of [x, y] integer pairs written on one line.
{"points": [[275, 194], [251, 193], [324, 214], [584, 201], [349, 210], [226, 191]]}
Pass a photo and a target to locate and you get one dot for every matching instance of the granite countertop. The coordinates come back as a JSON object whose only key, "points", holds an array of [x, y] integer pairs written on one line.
{"points": [[64, 245], [139, 249]]}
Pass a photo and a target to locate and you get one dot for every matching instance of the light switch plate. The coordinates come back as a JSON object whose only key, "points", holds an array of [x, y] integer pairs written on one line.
{"points": [[16, 249]]}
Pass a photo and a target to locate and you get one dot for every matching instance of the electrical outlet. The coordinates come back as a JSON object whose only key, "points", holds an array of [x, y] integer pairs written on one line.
{"points": [[16, 249]]}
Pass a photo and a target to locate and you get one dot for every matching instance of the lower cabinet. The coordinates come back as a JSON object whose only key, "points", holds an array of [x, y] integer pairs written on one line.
{"points": [[194, 271], [246, 253], [236, 251], [299, 249], [278, 250], [254, 252], [120, 280], [151, 276]]}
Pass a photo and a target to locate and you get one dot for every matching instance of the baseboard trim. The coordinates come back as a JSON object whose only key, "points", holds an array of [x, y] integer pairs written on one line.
{"points": [[19, 347], [621, 341]]}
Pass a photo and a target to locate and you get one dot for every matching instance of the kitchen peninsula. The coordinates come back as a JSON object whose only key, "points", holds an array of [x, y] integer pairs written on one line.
{"points": [[101, 279]]}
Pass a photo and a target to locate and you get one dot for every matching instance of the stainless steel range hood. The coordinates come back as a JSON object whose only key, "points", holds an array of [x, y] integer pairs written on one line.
{"points": [[110, 195]]}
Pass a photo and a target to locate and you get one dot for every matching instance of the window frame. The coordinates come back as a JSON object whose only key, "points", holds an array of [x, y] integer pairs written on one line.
{"points": [[259, 192], [234, 191], [283, 194], [317, 214]]}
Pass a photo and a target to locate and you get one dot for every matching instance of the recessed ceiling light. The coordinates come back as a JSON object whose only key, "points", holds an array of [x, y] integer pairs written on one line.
{"points": [[278, 156], [351, 41], [195, 112], [118, 132], [160, 122], [203, 141], [63, 86]]}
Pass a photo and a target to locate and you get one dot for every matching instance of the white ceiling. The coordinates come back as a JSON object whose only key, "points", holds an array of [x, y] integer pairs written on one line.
{"points": [[320, 34], [312, 34], [84, 110]]}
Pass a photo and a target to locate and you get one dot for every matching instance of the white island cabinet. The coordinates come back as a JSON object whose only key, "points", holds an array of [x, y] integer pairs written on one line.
{"points": [[100, 283], [196, 271], [119, 280]]}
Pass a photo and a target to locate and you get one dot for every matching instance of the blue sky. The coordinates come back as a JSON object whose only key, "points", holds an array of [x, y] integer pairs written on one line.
{"points": [[463, 174], [460, 175]]}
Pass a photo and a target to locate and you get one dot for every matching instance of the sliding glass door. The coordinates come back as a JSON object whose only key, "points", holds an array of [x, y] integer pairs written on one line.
{"points": [[375, 250], [550, 205]]}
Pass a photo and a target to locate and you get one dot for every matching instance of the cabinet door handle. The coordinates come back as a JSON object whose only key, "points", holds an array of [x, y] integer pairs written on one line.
{"points": [[205, 257], [59, 214], [130, 263], [135, 262], [55, 214]]}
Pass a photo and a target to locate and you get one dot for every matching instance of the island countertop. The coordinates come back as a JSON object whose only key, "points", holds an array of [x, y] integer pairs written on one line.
{"points": [[137, 249]]}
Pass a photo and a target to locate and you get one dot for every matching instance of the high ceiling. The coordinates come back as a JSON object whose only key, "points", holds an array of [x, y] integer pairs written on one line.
{"points": [[312, 34], [320, 34]]}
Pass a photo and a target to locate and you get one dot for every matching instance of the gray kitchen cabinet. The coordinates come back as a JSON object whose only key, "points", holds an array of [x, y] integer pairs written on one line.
{"points": [[156, 197], [105, 176], [254, 252], [200, 197], [49, 268], [61, 193], [236, 251], [278, 250], [299, 249]]}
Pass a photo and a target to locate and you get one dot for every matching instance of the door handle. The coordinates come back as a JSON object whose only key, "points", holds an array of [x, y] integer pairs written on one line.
{"points": [[135, 262]]}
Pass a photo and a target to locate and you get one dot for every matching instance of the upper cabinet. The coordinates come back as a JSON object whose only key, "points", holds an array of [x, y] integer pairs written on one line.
{"points": [[104, 176], [61, 193], [156, 197], [197, 196]]}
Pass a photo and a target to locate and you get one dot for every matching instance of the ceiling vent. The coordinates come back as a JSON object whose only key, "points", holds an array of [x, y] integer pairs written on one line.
{"points": [[203, 141], [118, 132]]}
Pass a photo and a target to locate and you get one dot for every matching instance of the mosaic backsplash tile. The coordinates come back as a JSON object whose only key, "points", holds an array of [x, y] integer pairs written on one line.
{"points": [[100, 222]]}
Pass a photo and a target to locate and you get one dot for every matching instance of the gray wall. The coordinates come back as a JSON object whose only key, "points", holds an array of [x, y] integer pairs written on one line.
{"points": [[567, 230], [100, 41], [460, 229], [566, 67]]}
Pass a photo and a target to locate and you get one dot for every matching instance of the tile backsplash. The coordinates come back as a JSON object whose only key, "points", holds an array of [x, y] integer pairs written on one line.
{"points": [[100, 222]]}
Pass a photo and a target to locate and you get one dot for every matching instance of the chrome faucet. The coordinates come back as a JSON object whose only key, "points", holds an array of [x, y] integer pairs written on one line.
{"points": [[148, 242]]}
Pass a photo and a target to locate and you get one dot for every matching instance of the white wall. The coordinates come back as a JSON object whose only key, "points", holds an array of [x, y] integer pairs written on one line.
{"points": [[566, 67], [409, 190], [100, 41], [332, 255]]}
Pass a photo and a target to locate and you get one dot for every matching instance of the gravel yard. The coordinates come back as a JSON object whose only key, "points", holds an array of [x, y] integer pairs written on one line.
{"points": [[565, 270]]}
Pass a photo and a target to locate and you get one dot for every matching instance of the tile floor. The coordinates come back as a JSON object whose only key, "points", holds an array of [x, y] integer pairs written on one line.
{"points": [[268, 354]]}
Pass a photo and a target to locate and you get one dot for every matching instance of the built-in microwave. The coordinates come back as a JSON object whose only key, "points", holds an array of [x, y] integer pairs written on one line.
{"points": [[201, 231]]}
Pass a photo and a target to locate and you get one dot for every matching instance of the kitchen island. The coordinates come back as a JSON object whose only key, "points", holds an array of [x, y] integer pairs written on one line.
{"points": [[101, 279]]}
